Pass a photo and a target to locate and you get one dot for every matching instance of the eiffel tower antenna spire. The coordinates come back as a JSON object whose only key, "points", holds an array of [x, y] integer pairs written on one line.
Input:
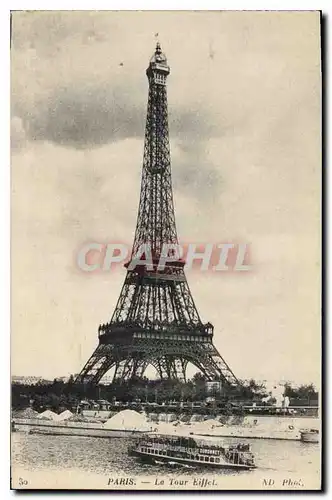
{"points": [[155, 321]]}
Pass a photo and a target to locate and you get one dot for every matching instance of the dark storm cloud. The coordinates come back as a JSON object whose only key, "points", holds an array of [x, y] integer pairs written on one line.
{"points": [[86, 117], [90, 116], [94, 115]]}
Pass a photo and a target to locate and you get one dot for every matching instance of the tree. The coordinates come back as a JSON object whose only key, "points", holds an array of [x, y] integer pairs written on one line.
{"points": [[199, 377], [199, 387], [305, 392]]}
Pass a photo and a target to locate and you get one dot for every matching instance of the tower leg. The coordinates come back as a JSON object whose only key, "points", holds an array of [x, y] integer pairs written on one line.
{"points": [[124, 370], [181, 367], [140, 368], [208, 360], [162, 368], [130, 368], [178, 369], [99, 363]]}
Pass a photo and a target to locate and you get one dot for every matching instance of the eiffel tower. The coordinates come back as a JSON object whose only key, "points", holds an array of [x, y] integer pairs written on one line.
{"points": [[155, 321]]}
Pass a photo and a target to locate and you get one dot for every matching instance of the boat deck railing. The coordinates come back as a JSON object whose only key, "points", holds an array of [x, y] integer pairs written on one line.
{"points": [[231, 455]]}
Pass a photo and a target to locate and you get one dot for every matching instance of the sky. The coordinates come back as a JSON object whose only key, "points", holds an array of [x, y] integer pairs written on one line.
{"points": [[244, 118]]}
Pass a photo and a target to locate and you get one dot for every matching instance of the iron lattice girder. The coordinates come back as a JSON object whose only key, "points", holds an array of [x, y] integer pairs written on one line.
{"points": [[149, 300], [139, 353], [156, 219], [157, 303]]}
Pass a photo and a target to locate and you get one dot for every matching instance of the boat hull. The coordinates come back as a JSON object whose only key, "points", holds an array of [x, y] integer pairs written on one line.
{"points": [[146, 457], [310, 437]]}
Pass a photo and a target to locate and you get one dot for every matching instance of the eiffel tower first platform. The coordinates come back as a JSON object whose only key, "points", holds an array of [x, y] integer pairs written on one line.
{"points": [[155, 321]]}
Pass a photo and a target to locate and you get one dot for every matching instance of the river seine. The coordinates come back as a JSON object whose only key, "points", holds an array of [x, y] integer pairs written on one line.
{"points": [[109, 456]]}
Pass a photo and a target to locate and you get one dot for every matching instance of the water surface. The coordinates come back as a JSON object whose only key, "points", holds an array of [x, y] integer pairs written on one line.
{"points": [[109, 455]]}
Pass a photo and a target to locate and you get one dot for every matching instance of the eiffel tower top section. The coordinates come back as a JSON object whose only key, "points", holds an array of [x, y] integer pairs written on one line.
{"points": [[156, 220], [158, 68]]}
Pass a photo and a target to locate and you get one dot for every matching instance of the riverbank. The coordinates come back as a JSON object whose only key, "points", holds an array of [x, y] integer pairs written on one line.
{"points": [[128, 423], [250, 427], [37, 426]]}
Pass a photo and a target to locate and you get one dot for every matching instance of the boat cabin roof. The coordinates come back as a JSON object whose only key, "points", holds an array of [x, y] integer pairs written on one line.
{"points": [[199, 440]]}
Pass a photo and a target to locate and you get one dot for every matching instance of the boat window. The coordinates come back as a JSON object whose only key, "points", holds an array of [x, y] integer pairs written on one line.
{"points": [[217, 460], [206, 459], [201, 459], [211, 459]]}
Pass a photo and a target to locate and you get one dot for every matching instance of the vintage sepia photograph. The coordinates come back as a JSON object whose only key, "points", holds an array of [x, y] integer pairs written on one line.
{"points": [[166, 183]]}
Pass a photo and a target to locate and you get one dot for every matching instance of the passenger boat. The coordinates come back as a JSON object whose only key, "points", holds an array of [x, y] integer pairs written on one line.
{"points": [[310, 435], [191, 451]]}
